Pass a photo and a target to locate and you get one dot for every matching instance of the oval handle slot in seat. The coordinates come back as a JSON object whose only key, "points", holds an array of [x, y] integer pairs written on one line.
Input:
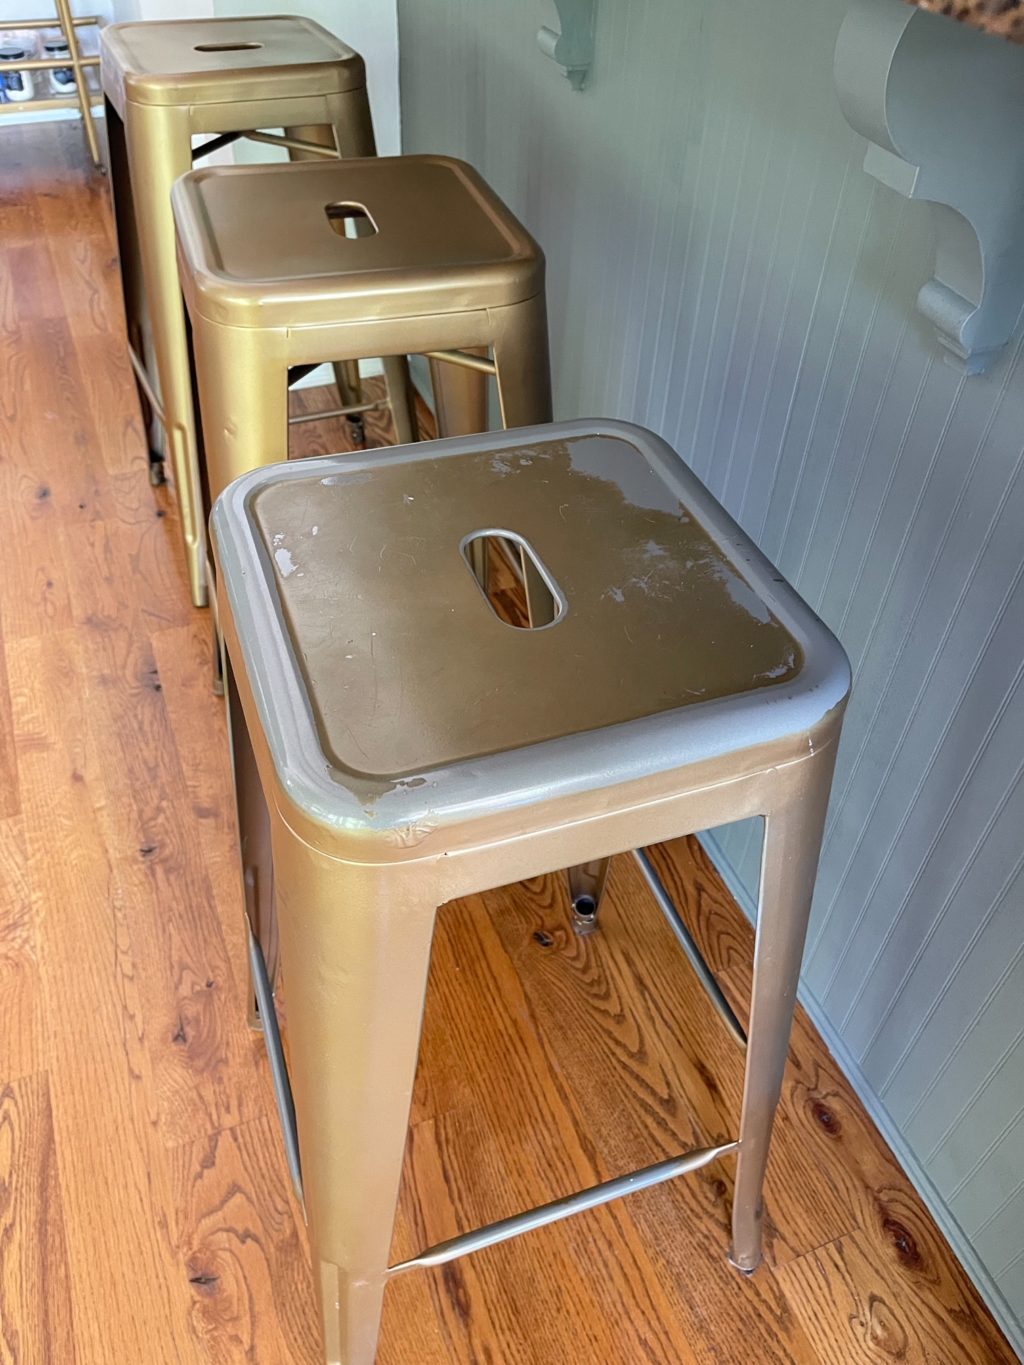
{"points": [[513, 580], [350, 220]]}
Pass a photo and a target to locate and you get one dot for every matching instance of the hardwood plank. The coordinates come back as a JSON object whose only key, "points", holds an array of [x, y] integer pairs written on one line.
{"points": [[184, 659], [857, 1305], [239, 1234], [10, 797], [22, 1049], [201, 1048], [104, 1095], [36, 1302], [33, 586]]}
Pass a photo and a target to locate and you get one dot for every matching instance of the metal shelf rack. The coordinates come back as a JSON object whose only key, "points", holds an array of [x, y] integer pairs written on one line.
{"points": [[85, 96]]}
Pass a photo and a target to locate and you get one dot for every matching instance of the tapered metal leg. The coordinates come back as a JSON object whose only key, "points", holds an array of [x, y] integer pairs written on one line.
{"points": [[254, 844], [460, 397], [152, 177], [132, 290], [401, 398], [357, 940], [792, 842], [520, 350], [686, 941], [275, 1055], [586, 888], [217, 655]]}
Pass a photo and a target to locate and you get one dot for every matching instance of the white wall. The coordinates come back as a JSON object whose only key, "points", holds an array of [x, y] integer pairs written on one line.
{"points": [[370, 26], [129, 11], [722, 270]]}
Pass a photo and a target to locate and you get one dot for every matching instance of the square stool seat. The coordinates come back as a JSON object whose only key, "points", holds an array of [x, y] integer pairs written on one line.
{"points": [[437, 240], [410, 701], [198, 61], [399, 740]]}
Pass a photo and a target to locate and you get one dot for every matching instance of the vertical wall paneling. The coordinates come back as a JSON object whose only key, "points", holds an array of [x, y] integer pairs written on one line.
{"points": [[722, 270]]}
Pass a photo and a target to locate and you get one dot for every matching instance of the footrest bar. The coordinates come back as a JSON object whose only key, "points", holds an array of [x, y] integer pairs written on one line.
{"points": [[507, 1228], [351, 411], [297, 144], [278, 1065], [689, 947], [466, 359], [214, 144], [146, 386]]}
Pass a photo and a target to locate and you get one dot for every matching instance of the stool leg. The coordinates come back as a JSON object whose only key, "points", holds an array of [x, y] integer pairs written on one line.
{"points": [[356, 943], [460, 397], [130, 272], [242, 377], [792, 842], [158, 153], [586, 888], [401, 399], [253, 840], [349, 117], [520, 348]]}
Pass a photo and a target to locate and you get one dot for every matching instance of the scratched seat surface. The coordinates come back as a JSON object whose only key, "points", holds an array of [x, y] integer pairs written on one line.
{"points": [[404, 662]]}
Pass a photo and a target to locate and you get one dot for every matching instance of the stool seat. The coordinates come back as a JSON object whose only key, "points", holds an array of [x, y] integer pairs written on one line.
{"points": [[410, 700], [436, 240], [182, 61]]}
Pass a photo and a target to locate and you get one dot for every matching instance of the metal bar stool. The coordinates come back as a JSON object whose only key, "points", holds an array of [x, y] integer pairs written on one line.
{"points": [[398, 744], [165, 83]]}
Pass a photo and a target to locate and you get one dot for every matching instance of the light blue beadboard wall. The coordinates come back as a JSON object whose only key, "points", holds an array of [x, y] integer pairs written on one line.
{"points": [[722, 270]]}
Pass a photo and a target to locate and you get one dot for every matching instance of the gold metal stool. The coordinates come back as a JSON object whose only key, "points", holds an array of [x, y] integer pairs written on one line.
{"points": [[413, 747], [164, 84], [409, 254]]}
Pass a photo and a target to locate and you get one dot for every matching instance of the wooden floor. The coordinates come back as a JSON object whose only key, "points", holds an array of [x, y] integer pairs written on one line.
{"points": [[145, 1213]]}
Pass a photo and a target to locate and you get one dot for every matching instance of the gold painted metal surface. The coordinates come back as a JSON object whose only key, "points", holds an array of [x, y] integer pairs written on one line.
{"points": [[423, 674], [81, 21], [444, 242], [446, 266], [215, 61], [360, 864], [161, 90]]}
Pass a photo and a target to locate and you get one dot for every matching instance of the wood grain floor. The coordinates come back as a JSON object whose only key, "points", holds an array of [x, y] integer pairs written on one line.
{"points": [[145, 1212]]}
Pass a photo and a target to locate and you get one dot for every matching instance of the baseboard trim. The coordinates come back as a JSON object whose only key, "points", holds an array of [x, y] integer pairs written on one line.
{"points": [[954, 1234]]}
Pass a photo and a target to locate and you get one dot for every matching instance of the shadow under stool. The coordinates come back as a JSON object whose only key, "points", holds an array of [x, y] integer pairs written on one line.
{"points": [[166, 83], [397, 744]]}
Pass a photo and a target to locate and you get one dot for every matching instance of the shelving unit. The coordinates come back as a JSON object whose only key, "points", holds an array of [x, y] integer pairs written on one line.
{"points": [[85, 96]]}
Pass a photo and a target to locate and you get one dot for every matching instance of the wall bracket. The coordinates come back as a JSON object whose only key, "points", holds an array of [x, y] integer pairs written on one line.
{"points": [[573, 47], [942, 108]]}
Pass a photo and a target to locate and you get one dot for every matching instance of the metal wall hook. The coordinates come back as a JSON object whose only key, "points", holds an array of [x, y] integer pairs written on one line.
{"points": [[573, 47]]}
